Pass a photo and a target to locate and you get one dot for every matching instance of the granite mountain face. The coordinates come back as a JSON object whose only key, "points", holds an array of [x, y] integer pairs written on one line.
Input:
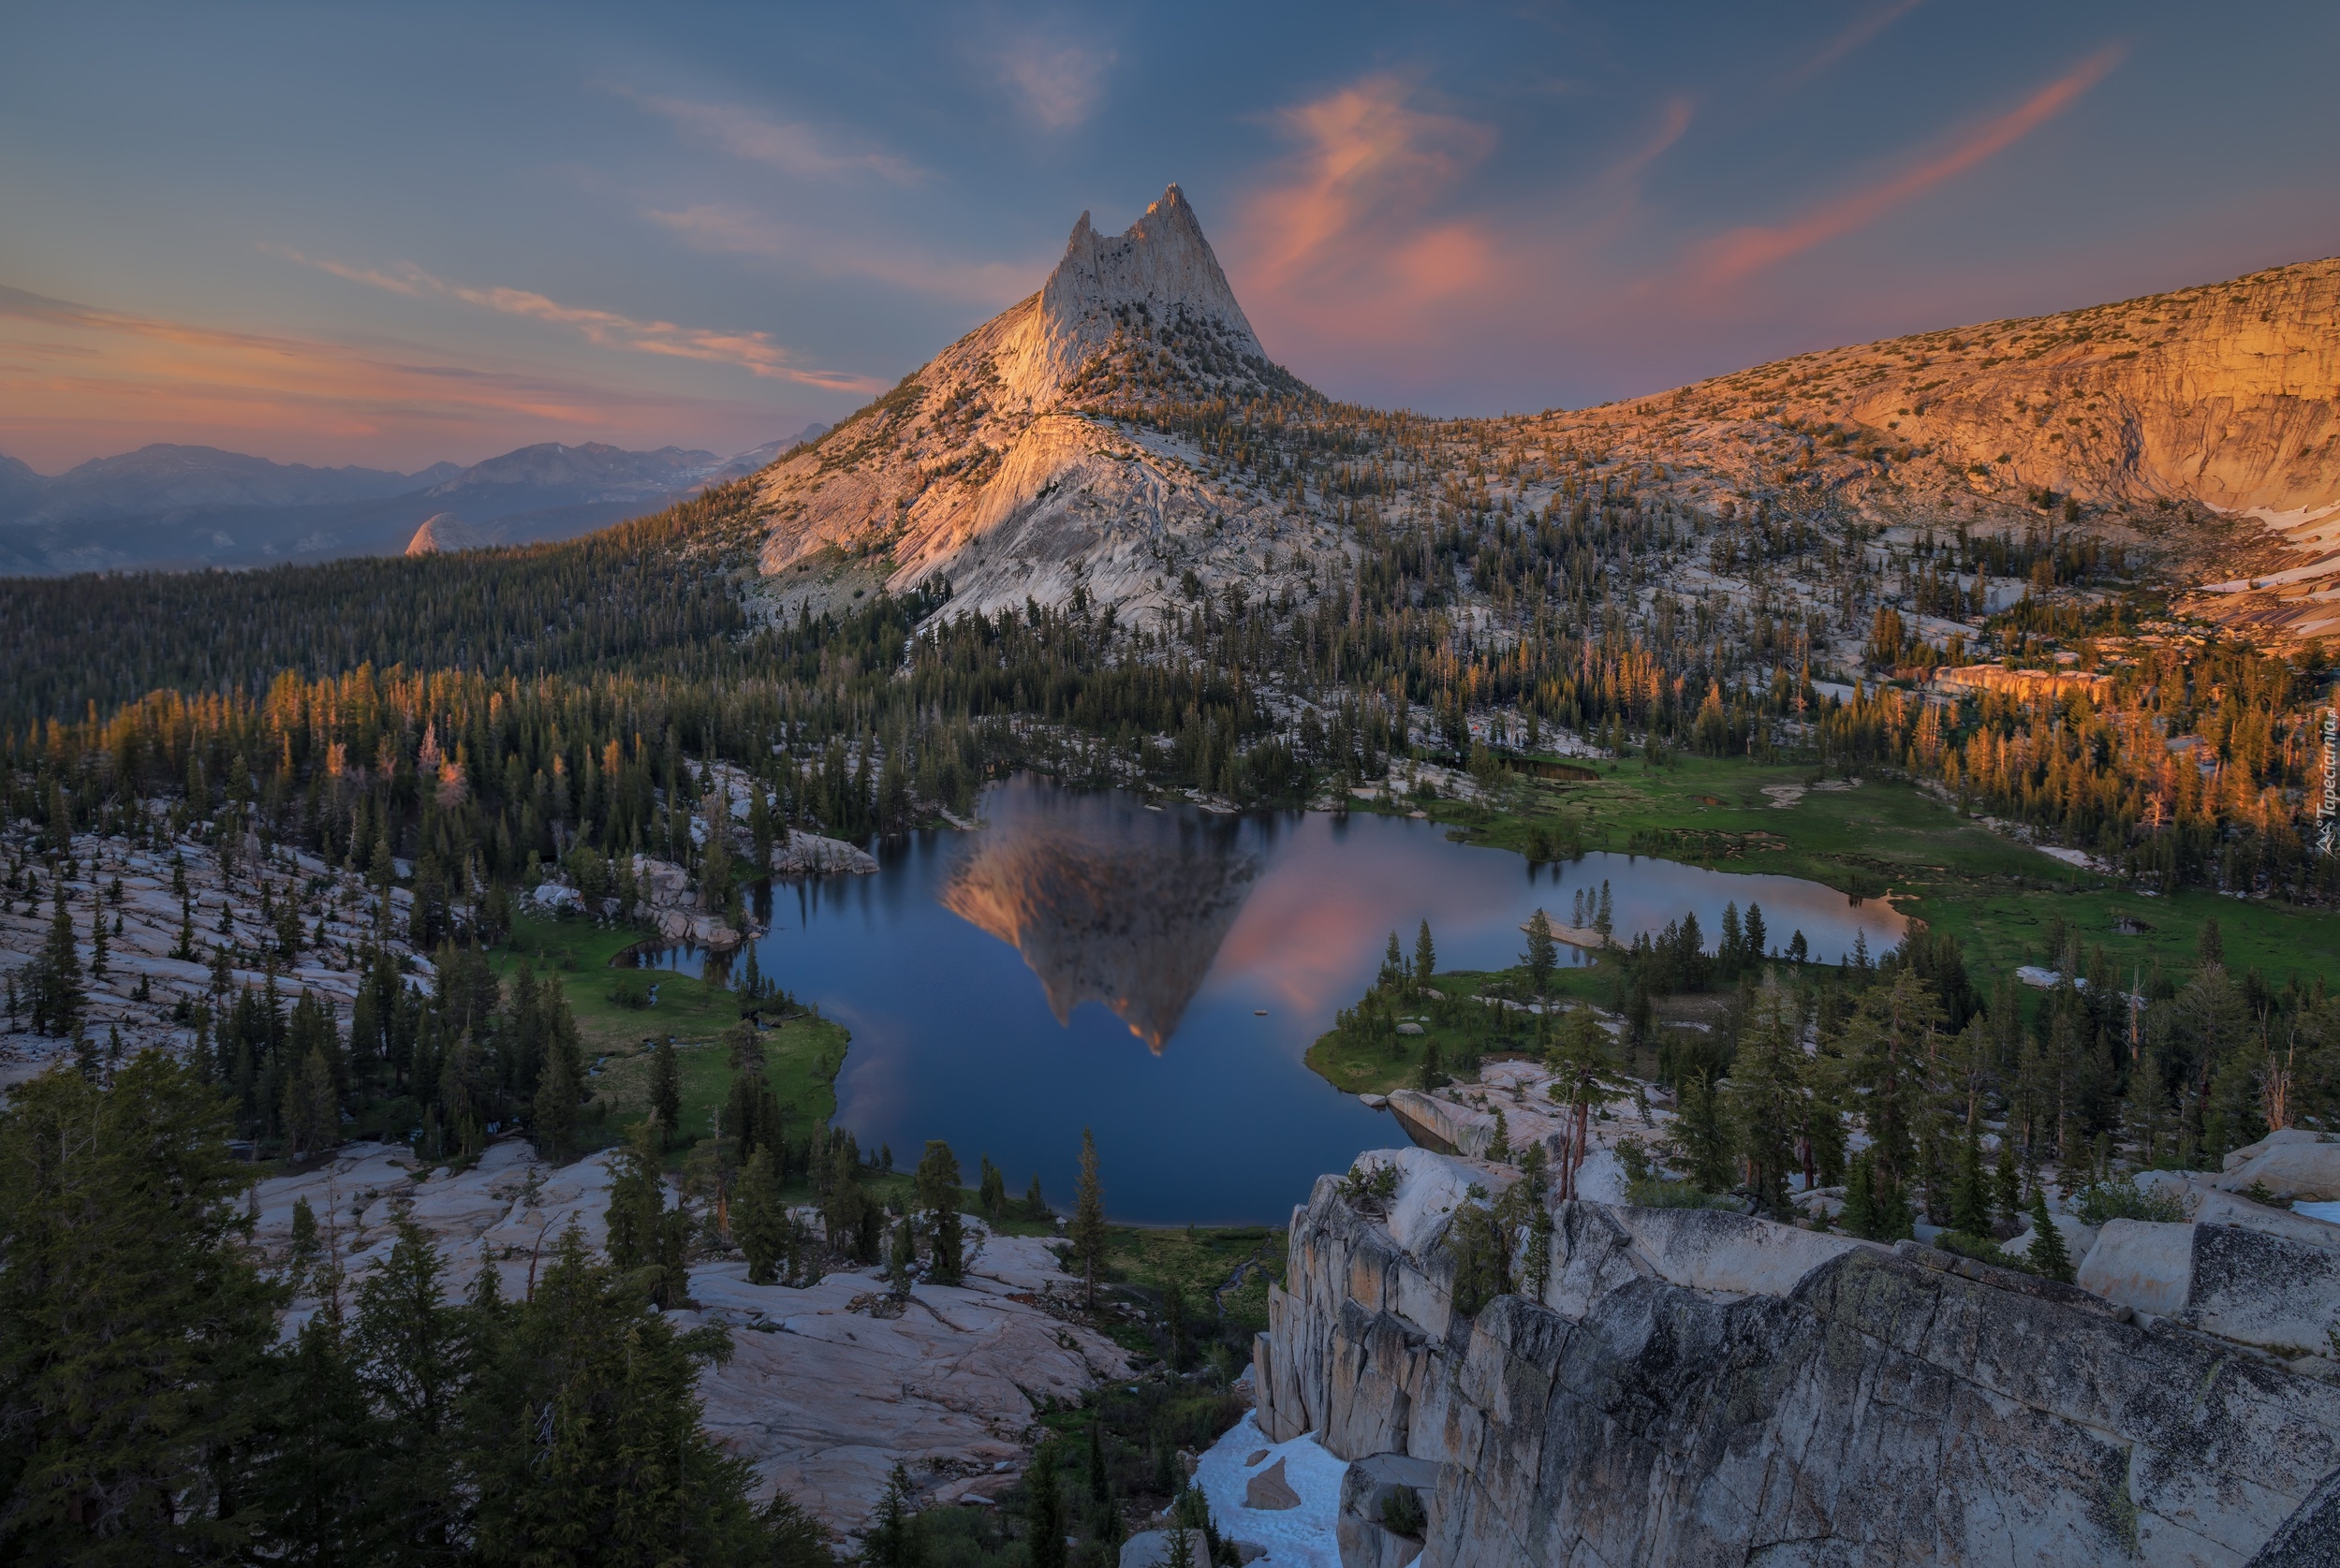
{"points": [[999, 465], [2198, 425]]}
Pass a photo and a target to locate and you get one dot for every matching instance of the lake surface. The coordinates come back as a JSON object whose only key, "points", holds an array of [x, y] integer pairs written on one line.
{"points": [[1156, 974]]}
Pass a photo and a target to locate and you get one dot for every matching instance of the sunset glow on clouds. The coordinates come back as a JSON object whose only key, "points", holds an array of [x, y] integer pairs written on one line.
{"points": [[401, 236], [72, 377]]}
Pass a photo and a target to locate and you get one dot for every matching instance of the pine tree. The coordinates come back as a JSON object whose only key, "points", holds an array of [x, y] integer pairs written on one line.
{"points": [[134, 1324], [58, 999], [1768, 1096], [416, 1353], [665, 1089], [319, 1434], [936, 1182], [1043, 1511], [1429, 1074], [2048, 1257], [553, 1126], [758, 1218], [2008, 1185], [637, 1202], [1970, 1200], [585, 1430], [96, 939], [1394, 974], [892, 1540], [1543, 954], [304, 1245], [1035, 1203], [1425, 957], [1087, 1230]]}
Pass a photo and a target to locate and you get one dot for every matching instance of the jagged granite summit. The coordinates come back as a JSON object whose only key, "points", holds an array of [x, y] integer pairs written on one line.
{"points": [[1701, 1388], [1160, 269], [997, 463]]}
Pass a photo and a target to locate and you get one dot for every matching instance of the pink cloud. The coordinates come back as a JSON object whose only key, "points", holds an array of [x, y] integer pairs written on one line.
{"points": [[1862, 29], [789, 146], [79, 381], [1745, 251], [757, 353], [737, 231]]}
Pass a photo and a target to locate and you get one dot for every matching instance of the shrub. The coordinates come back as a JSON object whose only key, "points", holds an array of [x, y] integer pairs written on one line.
{"points": [[2125, 1200], [1402, 1513], [631, 988]]}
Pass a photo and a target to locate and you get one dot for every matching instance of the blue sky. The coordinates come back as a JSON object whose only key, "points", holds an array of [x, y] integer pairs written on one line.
{"points": [[393, 234]]}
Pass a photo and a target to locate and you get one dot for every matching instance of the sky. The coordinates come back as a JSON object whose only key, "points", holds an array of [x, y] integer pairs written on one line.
{"points": [[394, 235]]}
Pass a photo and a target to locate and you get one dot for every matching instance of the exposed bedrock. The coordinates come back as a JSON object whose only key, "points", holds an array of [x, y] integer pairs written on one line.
{"points": [[1700, 1388]]}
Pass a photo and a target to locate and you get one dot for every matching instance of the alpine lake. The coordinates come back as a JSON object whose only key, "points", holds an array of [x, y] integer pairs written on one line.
{"points": [[1155, 972]]}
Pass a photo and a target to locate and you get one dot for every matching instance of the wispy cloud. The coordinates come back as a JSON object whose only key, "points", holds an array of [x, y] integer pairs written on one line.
{"points": [[756, 353], [791, 146], [1744, 251], [1862, 28], [1367, 166], [78, 380], [738, 231], [1674, 121], [1057, 85]]}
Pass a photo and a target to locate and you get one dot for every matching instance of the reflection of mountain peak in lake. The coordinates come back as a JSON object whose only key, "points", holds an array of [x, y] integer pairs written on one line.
{"points": [[1134, 925]]}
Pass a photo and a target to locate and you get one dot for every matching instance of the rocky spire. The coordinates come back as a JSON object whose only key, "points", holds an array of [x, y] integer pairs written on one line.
{"points": [[1159, 268]]}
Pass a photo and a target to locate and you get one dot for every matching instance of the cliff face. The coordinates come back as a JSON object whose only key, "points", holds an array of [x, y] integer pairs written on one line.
{"points": [[1698, 1388]]}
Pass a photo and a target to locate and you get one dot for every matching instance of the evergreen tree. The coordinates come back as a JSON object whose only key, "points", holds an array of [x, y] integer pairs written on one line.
{"points": [[416, 1352], [585, 1435], [665, 1089], [993, 1194], [96, 938], [313, 1486], [1702, 1132], [305, 1245], [1174, 1321], [1768, 1094], [553, 1126], [1543, 953], [637, 1202], [759, 1219], [937, 1185], [1035, 1204], [1044, 1510], [2048, 1257], [892, 1539], [134, 1326], [1425, 957], [58, 998], [1393, 973], [1889, 1043], [1429, 1074], [1087, 1230], [2007, 1183], [1970, 1200]]}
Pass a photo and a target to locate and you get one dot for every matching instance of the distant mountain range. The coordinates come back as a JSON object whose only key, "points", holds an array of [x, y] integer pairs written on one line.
{"points": [[184, 507]]}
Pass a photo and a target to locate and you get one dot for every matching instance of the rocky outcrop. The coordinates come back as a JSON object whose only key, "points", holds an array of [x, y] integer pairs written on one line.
{"points": [[2254, 1286], [2294, 1163], [827, 1387], [1695, 1387], [445, 531], [811, 855]]}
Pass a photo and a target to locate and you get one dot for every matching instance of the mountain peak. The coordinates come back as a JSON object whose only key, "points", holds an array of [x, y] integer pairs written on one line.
{"points": [[1160, 270]]}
